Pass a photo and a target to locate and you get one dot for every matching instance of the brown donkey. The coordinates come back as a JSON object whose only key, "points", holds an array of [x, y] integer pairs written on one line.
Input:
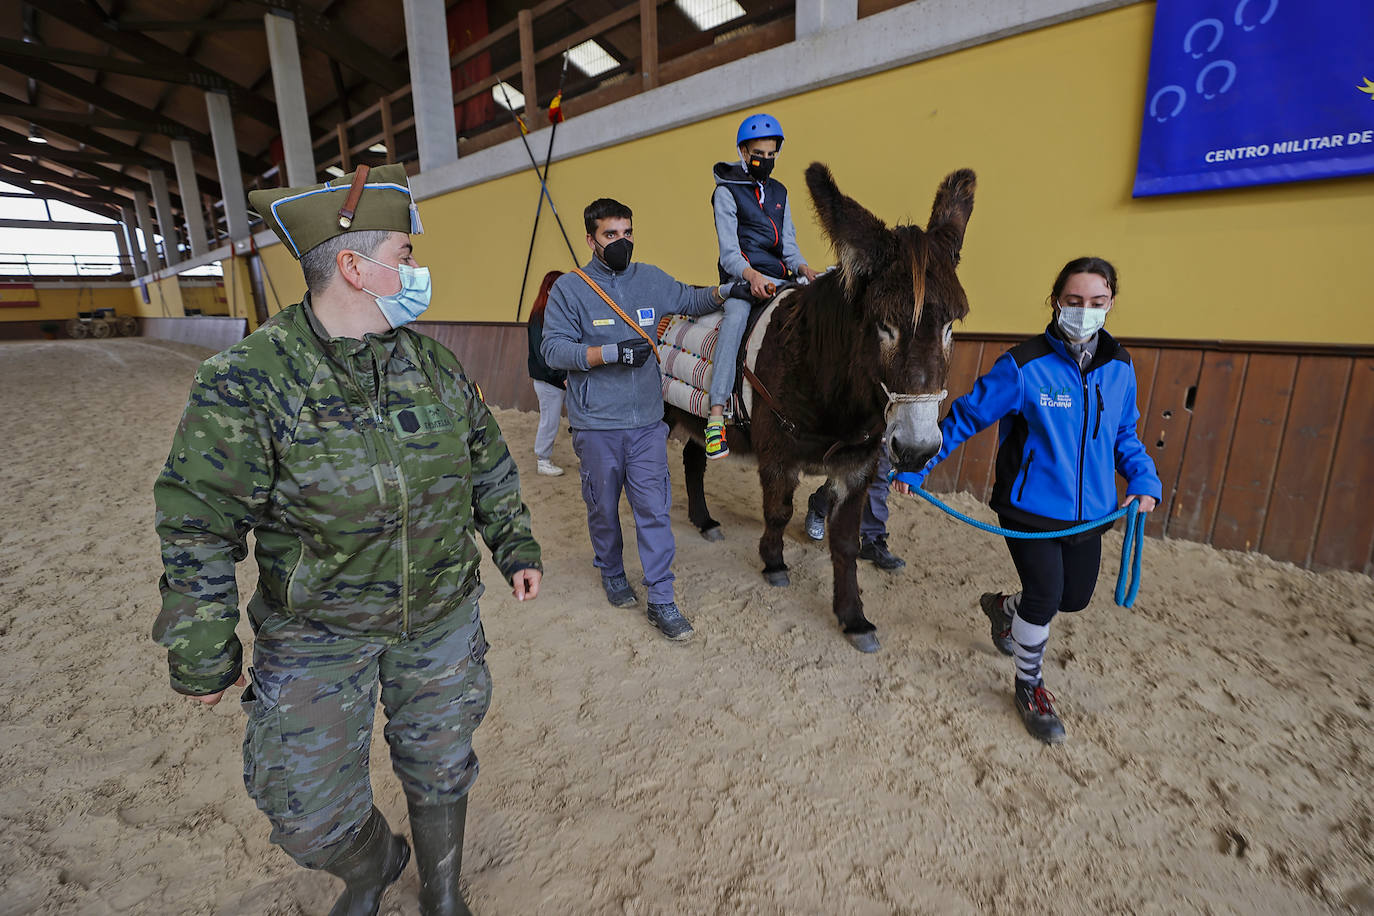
{"points": [[849, 362]]}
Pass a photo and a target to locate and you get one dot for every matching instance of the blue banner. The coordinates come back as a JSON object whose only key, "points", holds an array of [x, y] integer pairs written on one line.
{"points": [[1247, 92]]}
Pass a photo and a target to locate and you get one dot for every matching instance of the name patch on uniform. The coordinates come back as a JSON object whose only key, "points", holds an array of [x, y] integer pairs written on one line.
{"points": [[646, 317], [421, 419], [602, 322]]}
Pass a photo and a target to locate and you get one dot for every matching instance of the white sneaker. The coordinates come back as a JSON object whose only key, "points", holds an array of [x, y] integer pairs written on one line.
{"points": [[549, 469]]}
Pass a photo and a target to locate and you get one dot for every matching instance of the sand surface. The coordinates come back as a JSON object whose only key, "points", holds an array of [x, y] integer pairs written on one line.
{"points": [[1220, 754]]}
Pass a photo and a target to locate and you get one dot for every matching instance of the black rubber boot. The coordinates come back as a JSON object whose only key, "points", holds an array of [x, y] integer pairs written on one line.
{"points": [[373, 861], [438, 834]]}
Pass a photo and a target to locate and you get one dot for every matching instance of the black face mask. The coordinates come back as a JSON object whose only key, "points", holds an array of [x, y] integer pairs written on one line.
{"points": [[759, 169], [617, 254]]}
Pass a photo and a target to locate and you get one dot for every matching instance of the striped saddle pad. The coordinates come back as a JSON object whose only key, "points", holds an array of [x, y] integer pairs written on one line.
{"points": [[686, 346]]}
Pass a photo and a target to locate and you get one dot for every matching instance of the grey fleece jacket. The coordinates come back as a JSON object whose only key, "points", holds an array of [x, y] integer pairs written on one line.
{"points": [[614, 396]]}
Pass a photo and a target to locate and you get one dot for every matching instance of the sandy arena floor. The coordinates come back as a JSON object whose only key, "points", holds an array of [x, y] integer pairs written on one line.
{"points": [[1220, 755]]}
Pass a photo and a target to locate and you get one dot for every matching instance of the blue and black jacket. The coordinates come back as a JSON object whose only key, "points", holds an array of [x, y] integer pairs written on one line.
{"points": [[1062, 432]]}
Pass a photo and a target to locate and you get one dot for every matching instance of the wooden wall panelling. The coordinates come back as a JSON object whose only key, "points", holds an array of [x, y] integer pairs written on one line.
{"points": [[1166, 423], [963, 370], [1208, 446], [1345, 536], [1309, 442], [980, 452], [1255, 445]]}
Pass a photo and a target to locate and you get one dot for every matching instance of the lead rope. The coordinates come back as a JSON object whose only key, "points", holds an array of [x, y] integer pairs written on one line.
{"points": [[1132, 544]]}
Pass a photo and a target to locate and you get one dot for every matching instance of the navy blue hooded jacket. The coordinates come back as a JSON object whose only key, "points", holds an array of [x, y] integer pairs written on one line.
{"points": [[1062, 432], [753, 225]]}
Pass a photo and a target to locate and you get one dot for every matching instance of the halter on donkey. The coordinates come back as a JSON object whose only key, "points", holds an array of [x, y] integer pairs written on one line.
{"points": [[855, 359]]}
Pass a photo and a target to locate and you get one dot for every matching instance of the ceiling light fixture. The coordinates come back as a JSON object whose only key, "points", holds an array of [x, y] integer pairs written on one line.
{"points": [[707, 14], [591, 58], [34, 135]]}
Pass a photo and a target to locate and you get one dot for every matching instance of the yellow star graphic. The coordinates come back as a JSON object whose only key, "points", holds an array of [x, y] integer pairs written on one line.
{"points": [[1367, 87]]}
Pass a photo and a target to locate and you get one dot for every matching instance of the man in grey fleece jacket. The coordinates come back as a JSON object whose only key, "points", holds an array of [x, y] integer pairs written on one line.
{"points": [[615, 402]]}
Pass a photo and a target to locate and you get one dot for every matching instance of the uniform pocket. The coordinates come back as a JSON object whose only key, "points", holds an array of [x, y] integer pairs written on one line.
{"points": [[478, 645], [264, 765]]}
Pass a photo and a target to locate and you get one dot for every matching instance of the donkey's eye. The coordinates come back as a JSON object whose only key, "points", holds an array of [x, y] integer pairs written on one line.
{"points": [[887, 334]]}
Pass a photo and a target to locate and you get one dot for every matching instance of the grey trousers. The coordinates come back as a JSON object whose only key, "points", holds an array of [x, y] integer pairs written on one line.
{"points": [[636, 461], [724, 361], [550, 413]]}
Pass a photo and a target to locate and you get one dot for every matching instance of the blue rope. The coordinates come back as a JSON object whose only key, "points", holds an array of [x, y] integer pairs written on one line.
{"points": [[1132, 545]]}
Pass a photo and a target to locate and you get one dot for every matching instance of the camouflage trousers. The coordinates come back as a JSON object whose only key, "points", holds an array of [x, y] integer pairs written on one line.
{"points": [[310, 710]]}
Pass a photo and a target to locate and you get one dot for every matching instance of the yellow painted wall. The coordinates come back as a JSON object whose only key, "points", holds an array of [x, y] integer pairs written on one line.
{"points": [[1050, 120], [209, 299], [61, 305], [164, 299], [282, 281]]}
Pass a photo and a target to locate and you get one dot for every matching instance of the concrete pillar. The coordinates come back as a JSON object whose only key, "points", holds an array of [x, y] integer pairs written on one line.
{"points": [[122, 243], [145, 229], [824, 15], [227, 161], [289, 89], [188, 185], [166, 224], [130, 227], [431, 82]]}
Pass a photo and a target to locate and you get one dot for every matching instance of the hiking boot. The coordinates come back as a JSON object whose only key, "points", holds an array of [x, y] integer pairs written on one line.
{"points": [[370, 864], [670, 621], [815, 525], [994, 605], [1036, 705], [875, 551], [549, 469], [618, 591], [715, 439]]}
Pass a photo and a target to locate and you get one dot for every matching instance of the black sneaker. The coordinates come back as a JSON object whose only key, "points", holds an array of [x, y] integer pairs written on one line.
{"points": [[618, 591], [669, 621], [815, 525], [994, 605], [1036, 705], [875, 551]]}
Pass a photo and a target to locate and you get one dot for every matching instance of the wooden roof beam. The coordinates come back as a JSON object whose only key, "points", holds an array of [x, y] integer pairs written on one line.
{"points": [[336, 41], [136, 44]]}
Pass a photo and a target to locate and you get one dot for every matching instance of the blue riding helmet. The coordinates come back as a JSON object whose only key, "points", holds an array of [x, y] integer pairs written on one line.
{"points": [[759, 127]]}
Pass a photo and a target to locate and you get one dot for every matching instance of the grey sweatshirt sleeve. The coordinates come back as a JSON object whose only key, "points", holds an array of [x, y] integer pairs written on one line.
{"points": [[562, 347], [674, 298], [791, 254], [727, 233]]}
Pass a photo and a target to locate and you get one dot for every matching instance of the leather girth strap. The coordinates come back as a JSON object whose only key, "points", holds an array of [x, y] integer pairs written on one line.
{"points": [[611, 302]]}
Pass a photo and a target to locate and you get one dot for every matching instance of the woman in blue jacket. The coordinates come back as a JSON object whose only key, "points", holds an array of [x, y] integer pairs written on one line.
{"points": [[1065, 405]]}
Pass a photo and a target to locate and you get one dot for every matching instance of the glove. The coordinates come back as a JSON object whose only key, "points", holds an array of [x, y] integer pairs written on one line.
{"points": [[633, 352], [740, 289]]}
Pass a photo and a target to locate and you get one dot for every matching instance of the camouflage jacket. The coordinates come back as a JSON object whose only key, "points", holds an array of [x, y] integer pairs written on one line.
{"points": [[363, 467]]}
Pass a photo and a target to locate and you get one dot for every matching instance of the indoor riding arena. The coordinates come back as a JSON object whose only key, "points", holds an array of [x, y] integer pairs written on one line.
{"points": [[1220, 735]]}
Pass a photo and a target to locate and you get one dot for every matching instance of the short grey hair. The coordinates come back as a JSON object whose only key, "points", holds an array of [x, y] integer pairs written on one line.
{"points": [[318, 263]]}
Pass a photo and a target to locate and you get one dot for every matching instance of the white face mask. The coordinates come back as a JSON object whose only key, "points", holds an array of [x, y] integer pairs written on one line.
{"points": [[1081, 323]]}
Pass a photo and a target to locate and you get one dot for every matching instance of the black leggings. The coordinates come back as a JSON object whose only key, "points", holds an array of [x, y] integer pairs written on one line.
{"points": [[1055, 575]]}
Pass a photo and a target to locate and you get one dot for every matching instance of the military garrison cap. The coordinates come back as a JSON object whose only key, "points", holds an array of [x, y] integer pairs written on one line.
{"points": [[365, 200]]}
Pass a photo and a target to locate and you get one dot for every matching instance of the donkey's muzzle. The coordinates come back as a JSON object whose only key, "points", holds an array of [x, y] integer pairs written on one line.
{"points": [[912, 456]]}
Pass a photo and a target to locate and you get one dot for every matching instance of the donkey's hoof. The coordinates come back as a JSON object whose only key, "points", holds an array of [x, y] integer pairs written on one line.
{"points": [[713, 533], [777, 578], [864, 642]]}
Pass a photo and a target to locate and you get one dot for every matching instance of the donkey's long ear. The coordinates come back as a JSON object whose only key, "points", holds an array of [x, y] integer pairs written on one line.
{"points": [[862, 241], [953, 206]]}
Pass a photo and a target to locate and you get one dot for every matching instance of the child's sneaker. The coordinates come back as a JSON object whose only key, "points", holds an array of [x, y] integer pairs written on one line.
{"points": [[715, 438]]}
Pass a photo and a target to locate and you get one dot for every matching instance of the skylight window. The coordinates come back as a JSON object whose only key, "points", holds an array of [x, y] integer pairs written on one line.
{"points": [[592, 59], [334, 171], [707, 14], [507, 96]]}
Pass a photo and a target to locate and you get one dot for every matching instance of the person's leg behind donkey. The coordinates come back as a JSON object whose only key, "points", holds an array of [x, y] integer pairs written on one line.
{"points": [[872, 525]]}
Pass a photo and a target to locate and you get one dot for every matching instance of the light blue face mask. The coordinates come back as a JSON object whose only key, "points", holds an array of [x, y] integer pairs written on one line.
{"points": [[408, 302]]}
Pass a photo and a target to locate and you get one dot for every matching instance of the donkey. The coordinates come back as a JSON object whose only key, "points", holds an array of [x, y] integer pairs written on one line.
{"points": [[854, 360]]}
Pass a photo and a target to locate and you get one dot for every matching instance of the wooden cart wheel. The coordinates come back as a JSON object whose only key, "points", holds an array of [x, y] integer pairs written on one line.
{"points": [[127, 326], [78, 329], [100, 328]]}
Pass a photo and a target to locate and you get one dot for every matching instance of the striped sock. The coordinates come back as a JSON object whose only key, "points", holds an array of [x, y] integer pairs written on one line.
{"points": [[1011, 602], [1030, 639]]}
